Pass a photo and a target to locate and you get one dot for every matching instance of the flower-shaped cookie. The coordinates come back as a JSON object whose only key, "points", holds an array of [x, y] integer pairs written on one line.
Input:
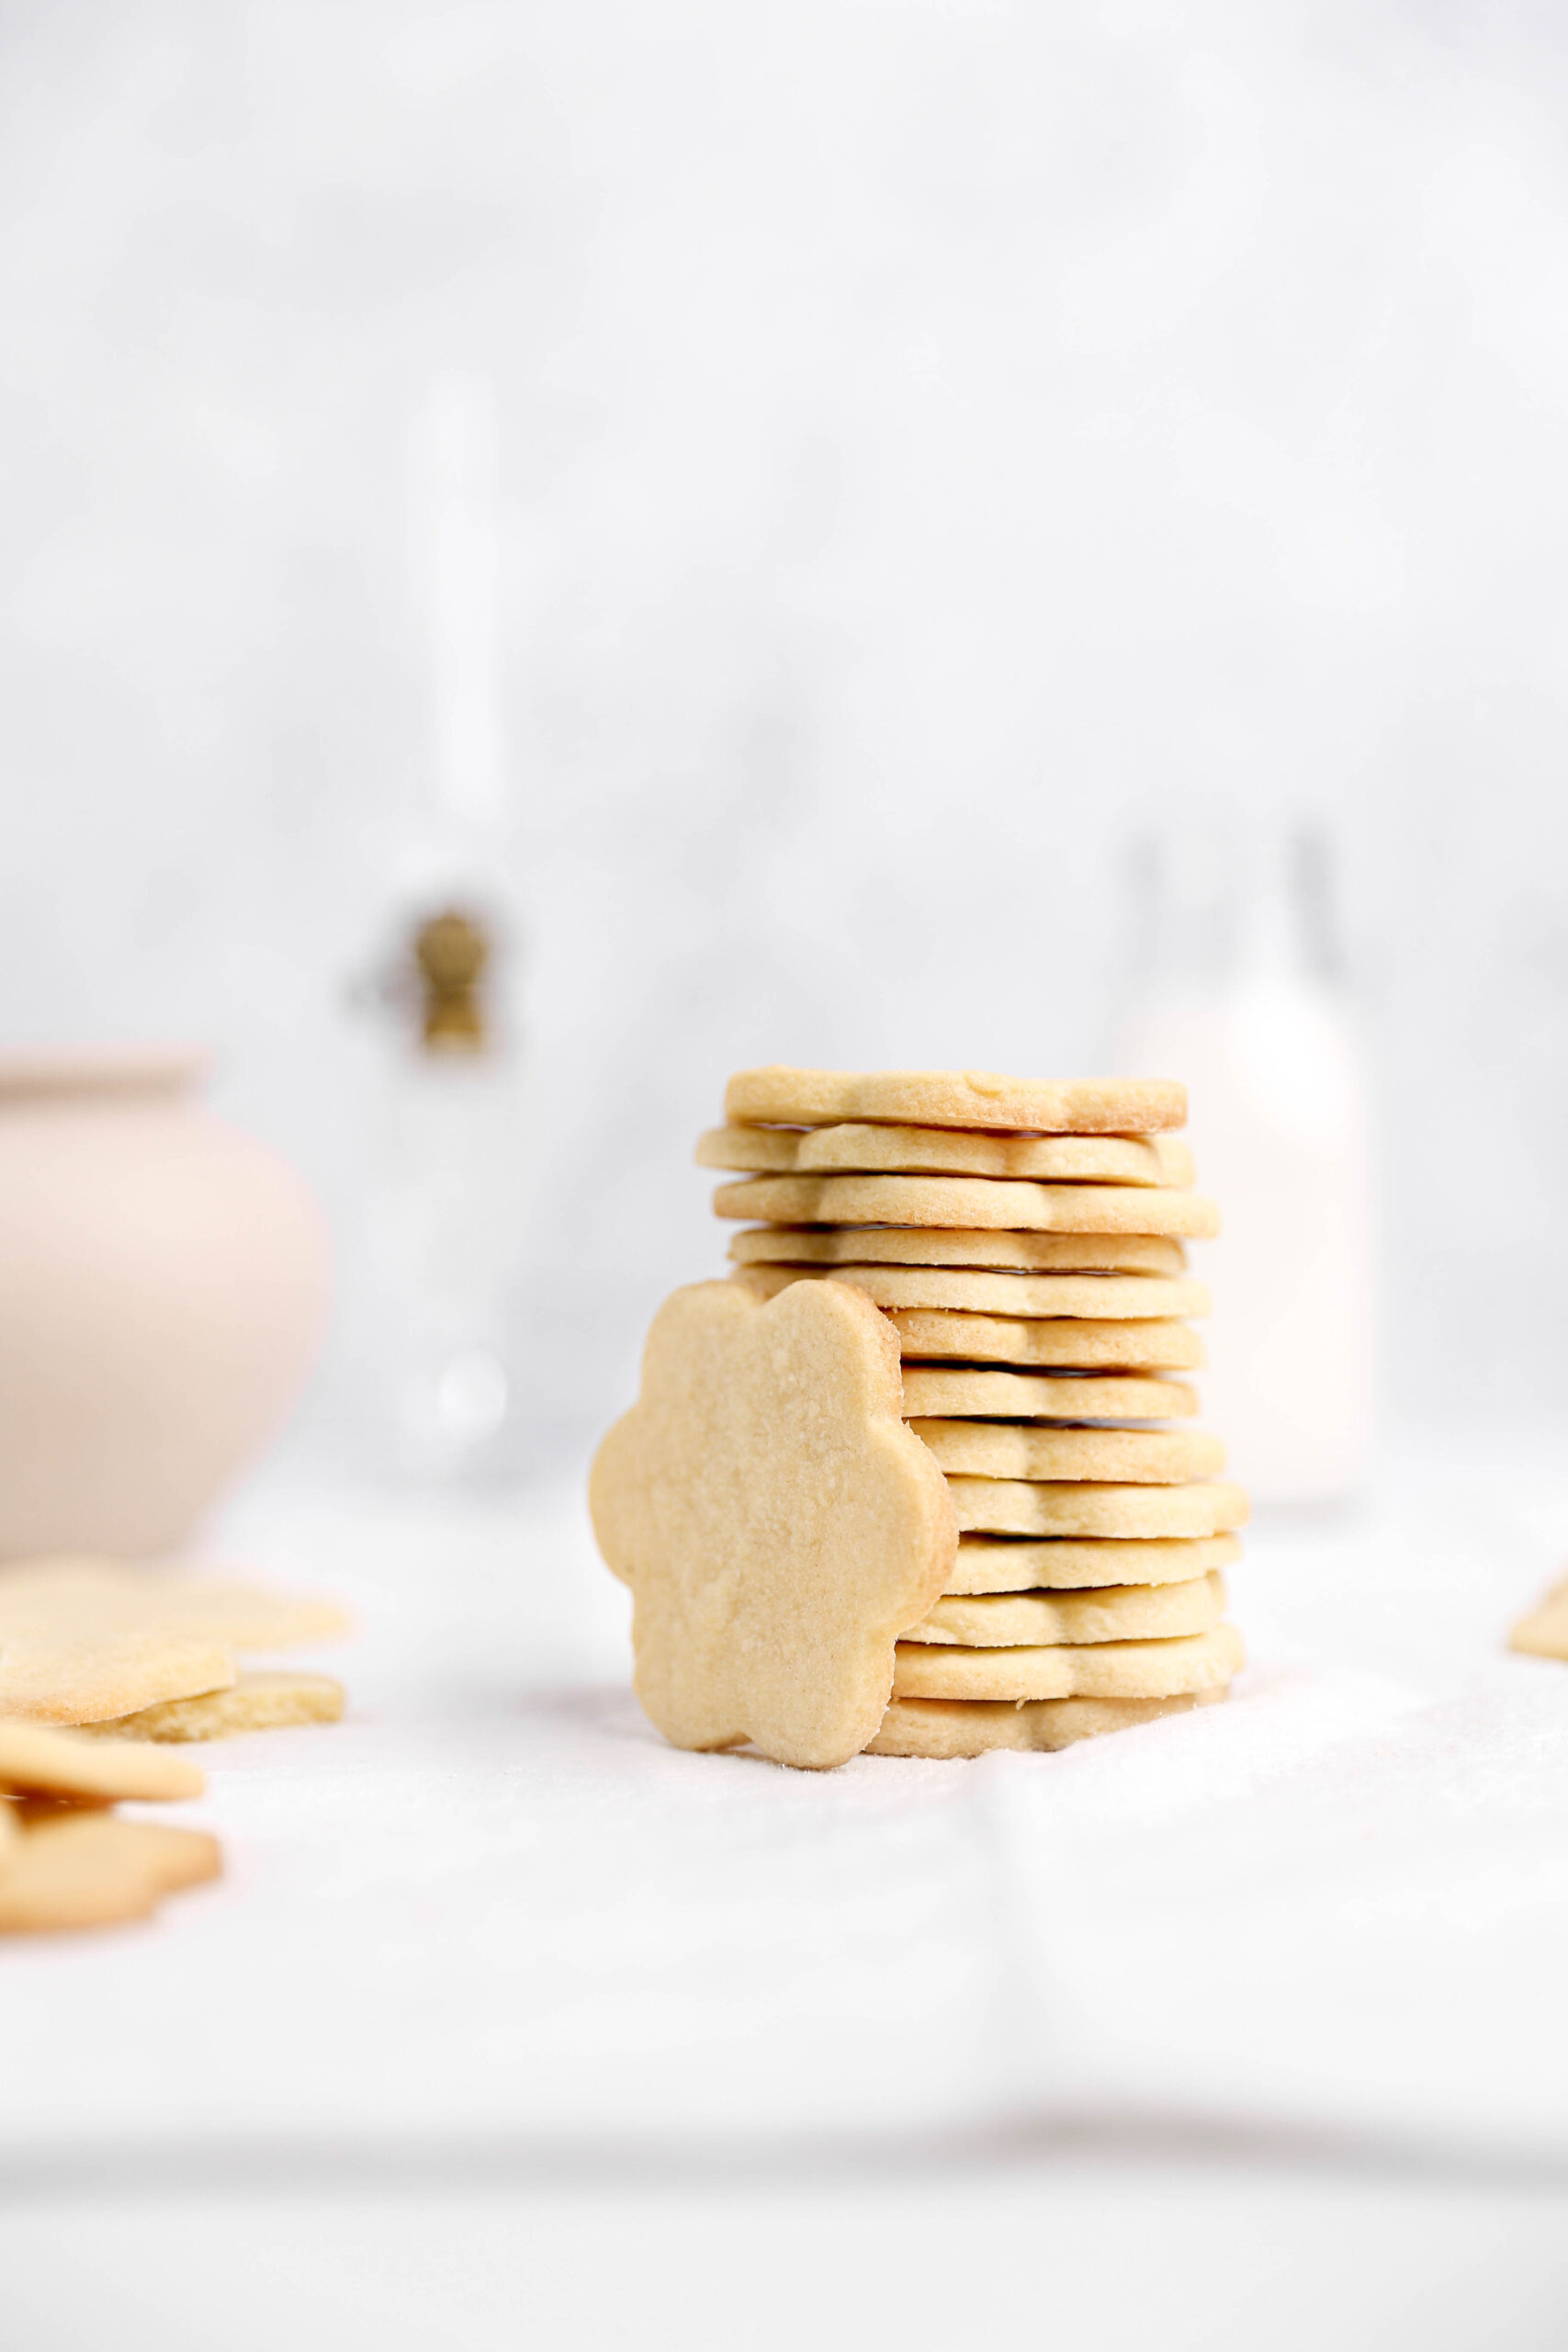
{"points": [[779, 1525], [86, 1640]]}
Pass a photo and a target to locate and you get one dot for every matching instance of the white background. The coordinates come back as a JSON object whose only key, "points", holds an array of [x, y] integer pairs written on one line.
{"points": [[936, 439], [939, 442]]}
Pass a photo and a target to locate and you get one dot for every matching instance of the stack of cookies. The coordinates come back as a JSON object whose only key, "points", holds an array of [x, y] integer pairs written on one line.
{"points": [[1027, 1242], [131, 1660], [128, 1652], [68, 1859]]}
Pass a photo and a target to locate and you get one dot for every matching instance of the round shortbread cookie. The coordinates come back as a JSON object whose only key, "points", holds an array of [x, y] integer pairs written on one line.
{"points": [[1088, 1671], [956, 1393], [949, 1729], [987, 1564], [983, 1203], [1121, 1612], [1021, 1450], [1020, 1506], [1113, 1298], [781, 1096], [948, 1152], [1080, 1346], [902, 1244]]}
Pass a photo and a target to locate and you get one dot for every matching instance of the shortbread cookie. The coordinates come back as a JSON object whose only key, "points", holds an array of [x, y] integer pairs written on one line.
{"points": [[1017, 1449], [1088, 1671], [1013, 1506], [981, 1201], [43, 1762], [92, 1870], [1076, 1346], [82, 1640], [898, 1245], [987, 1564], [778, 1524], [1544, 1633], [1095, 1297], [1124, 1612], [255, 1703], [779, 1096], [952, 1728], [948, 1152], [957, 1392]]}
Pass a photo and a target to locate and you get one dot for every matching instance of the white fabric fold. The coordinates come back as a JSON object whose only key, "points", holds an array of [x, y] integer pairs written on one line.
{"points": [[494, 1910]]}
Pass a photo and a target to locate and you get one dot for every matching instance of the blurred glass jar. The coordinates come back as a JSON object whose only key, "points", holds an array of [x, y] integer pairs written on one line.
{"points": [[1241, 991], [443, 1231]]}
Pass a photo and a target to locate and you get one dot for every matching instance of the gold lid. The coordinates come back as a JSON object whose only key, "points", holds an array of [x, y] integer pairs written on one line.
{"points": [[451, 951]]}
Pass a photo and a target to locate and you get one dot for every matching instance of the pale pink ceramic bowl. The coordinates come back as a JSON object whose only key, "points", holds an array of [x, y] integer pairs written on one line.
{"points": [[164, 1281]]}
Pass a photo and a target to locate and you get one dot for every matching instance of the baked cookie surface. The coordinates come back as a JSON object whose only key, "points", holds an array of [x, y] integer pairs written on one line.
{"points": [[1020, 1506], [947, 1152], [1136, 1669], [84, 1640], [1544, 1633], [781, 1095], [976, 1202], [1025, 1450], [950, 1729], [987, 1564], [897, 1245], [1069, 1343], [778, 1523], [1113, 1298], [962, 1391], [1128, 1612]]}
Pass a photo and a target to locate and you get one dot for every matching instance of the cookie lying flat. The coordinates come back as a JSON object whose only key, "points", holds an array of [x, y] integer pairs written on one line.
{"points": [[84, 1640], [958, 1392], [46, 1762], [93, 1870], [1544, 1633], [1014, 1450], [985, 1564], [1090, 1671], [1076, 1346], [948, 1152], [1011, 1507], [952, 1728], [980, 1202], [898, 1245], [255, 1703], [780, 1096], [1097, 1297], [778, 1524], [1128, 1612]]}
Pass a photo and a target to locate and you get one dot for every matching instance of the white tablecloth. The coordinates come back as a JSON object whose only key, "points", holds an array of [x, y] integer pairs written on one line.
{"points": [[509, 2025], [495, 1911]]}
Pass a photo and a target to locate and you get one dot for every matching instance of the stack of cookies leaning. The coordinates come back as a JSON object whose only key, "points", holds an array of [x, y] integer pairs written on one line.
{"points": [[1034, 1269], [101, 1666], [68, 1859], [1024, 1245]]}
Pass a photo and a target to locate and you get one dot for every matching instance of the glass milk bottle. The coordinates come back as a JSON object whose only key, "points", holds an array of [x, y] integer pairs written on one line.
{"points": [[442, 1234], [1242, 995], [443, 1227]]}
